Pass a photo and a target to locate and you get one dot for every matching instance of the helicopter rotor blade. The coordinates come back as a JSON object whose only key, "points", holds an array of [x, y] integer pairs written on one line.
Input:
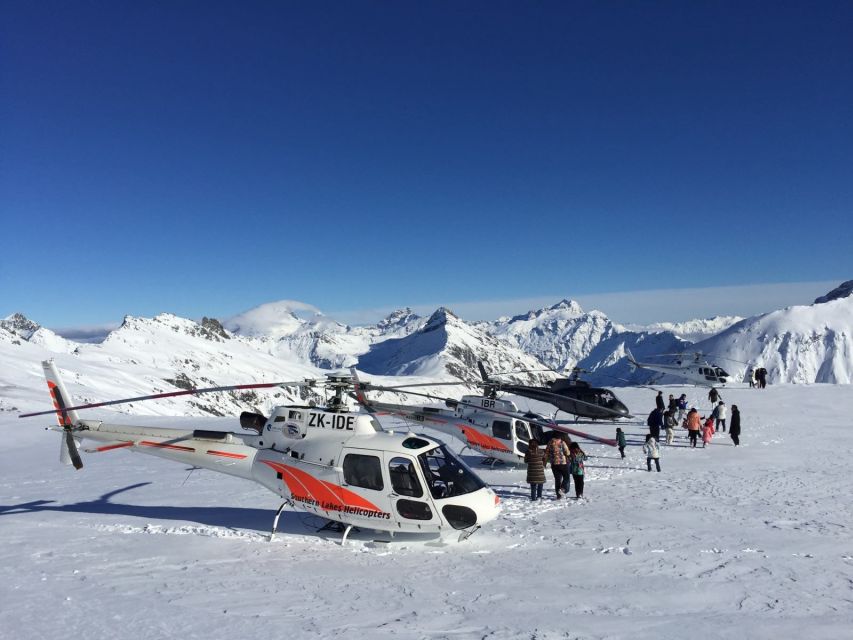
{"points": [[71, 449], [509, 414], [174, 394]]}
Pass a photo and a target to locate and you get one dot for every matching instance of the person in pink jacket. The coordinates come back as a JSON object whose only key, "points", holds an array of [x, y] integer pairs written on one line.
{"points": [[707, 431]]}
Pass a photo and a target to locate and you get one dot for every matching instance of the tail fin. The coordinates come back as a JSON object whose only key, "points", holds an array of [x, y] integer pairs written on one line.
{"points": [[358, 392], [59, 395], [634, 364], [68, 451]]}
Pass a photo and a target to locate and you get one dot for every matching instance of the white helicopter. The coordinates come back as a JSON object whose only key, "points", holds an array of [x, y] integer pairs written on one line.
{"points": [[692, 368], [331, 462], [489, 425]]}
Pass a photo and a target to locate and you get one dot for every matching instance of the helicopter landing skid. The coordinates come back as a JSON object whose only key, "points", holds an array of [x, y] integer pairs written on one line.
{"points": [[277, 516], [338, 527], [467, 533]]}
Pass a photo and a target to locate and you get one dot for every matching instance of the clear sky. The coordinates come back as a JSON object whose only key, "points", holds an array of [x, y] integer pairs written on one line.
{"points": [[202, 158]]}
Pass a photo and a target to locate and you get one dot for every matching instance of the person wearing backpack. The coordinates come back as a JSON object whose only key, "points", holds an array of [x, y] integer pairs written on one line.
{"points": [[557, 453], [576, 458], [655, 422], [720, 415], [652, 451]]}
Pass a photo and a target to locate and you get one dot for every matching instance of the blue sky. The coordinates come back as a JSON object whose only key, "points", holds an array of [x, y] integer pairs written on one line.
{"points": [[203, 158]]}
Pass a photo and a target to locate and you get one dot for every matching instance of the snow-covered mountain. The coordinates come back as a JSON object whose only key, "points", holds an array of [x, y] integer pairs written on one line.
{"points": [[692, 330], [446, 347], [148, 355], [558, 336], [607, 365], [294, 330], [287, 341], [798, 344]]}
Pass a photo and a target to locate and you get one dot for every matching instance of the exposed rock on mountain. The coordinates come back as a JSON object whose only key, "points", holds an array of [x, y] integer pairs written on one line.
{"points": [[844, 290], [446, 347], [20, 325], [559, 336]]}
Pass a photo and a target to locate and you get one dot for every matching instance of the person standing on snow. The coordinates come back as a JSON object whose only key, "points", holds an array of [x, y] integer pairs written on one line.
{"points": [[720, 415], [750, 377], [734, 427], [670, 423], [652, 451], [659, 403], [761, 376], [713, 396], [620, 441], [682, 407], [707, 431], [535, 469], [655, 422], [694, 425], [557, 453], [576, 458], [672, 405]]}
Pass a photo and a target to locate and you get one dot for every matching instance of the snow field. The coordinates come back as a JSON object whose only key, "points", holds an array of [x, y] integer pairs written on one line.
{"points": [[747, 542]]}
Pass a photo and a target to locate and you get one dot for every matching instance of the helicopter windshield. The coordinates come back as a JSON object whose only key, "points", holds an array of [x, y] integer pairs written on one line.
{"points": [[446, 475]]}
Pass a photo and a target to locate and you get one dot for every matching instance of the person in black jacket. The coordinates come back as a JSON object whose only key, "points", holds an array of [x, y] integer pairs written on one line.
{"points": [[655, 422], [734, 426], [659, 403]]}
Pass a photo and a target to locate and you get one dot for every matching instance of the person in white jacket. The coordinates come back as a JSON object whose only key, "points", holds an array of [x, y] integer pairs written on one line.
{"points": [[652, 451], [720, 414]]}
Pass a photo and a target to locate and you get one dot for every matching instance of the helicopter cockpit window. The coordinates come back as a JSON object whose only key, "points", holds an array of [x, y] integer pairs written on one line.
{"points": [[501, 429], [415, 443], [363, 471], [404, 477], [537, 432], [446, 475], [294, 415]]}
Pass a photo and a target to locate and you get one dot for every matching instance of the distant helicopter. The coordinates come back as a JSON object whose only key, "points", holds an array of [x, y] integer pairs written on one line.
{"points": [[491, 426], [692, 368], [331, 462], [570, 395]]}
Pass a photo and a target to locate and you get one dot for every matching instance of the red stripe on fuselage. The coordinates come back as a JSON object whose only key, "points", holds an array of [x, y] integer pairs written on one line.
{"points": [[163, 445]]}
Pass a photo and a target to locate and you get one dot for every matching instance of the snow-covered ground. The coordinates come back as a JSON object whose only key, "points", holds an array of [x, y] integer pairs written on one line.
{"points": [[748, 542]]}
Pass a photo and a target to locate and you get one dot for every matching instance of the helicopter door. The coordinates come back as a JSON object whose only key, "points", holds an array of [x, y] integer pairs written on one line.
{"points": [[410, 499], [365, 494], [522, 436]]}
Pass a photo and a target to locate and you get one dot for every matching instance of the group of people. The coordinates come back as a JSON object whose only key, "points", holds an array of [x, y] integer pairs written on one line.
{"points": [[567, 458], [567, 464], [757, 377], [691, 420]]}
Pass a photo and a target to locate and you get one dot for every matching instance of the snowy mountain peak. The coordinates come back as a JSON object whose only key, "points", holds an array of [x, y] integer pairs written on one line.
{"points": [[396, 319], [843, 290], [570, 306], [272, 319], [559, 335], [20, 325], [439, 318]]}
